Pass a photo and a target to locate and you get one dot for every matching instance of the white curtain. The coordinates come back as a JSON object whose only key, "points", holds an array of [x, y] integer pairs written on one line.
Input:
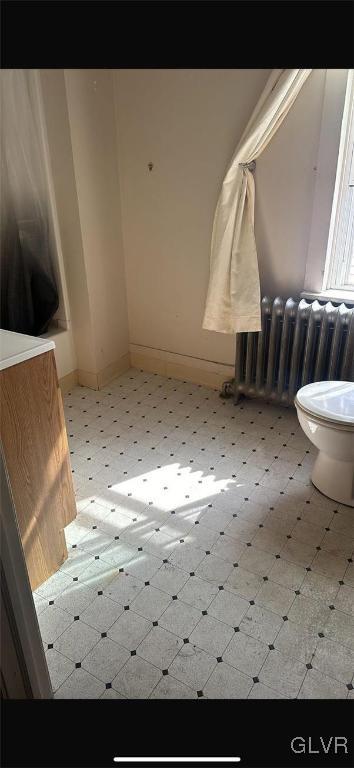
{"points": [[28, 264], [24, 183], [233, 300]]}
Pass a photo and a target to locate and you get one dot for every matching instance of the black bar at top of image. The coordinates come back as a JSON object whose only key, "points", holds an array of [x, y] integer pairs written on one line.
{"points": [[177, 33], [77, 734]]}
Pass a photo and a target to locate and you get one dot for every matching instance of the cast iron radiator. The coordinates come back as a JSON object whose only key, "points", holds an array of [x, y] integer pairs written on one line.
{"points": [[300, 342]]}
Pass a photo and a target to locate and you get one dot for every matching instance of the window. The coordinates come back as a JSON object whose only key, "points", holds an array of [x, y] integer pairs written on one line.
{"points": [[339, 269]]}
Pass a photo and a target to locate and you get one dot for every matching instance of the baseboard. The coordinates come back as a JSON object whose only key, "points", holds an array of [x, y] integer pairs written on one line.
{"points": [[107, 374], [87, 379], [112, 371], [181, 367], [177, 366], [69, 381]]}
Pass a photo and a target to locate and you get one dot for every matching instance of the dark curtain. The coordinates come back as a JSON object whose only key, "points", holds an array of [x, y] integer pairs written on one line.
{"points": [[29, 298]]}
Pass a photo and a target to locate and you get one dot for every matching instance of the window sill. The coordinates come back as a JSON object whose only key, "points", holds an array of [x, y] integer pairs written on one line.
{"points": [[55, 327], [336, 296]]}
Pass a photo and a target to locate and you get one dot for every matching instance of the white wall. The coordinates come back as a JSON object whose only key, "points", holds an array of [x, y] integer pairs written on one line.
{"points": [[91, 109], [64, 352], [188, 122], [79, 110], [64, 184]]}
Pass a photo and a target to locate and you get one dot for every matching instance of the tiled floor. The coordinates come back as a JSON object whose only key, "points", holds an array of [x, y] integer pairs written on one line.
{"points": [[202, 562]]}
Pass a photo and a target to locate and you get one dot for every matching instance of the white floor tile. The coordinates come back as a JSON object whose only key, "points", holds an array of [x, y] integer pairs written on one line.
{"points": [[216, 519], [159, 647], [334, 660], [180, 618], [296, 642], [187, 557], [202, 538], [343, 522], [198, 593], [192, 666], [260, 691], [298, 552], [54, 586], [105, 660], [340, 628], [124, 588], [244, 583], [257, 560], [143, 566], [80, 685], [137, 679], [59, 668], [77, 562], [98, 575], [283, 674], [345, 599], [308, 533], [151, 603], [169, 579], [329, 564], [214, 570], [53, 622], [228, 607], [276, 598], [77, 641], [338, 543], [211, 636], [319, 587], [190, 494], [319, 686], [75, 599], [40, 603], [262, 624], [241, 529], [317, 515], [287, 574], [348, 577], [246, 654], [110, 693], [169, 688], [101, 613], [227, 683], [129, 630], [310, 614]]}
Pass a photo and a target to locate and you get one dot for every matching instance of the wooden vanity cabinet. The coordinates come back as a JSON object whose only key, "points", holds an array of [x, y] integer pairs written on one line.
{"points": [[36, 455]]}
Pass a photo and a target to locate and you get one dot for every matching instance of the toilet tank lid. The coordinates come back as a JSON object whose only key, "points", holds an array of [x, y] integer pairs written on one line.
{"points": [[332, 400]]}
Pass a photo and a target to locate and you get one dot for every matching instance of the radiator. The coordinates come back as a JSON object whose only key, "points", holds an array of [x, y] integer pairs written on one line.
{"points": [[300, 342]]}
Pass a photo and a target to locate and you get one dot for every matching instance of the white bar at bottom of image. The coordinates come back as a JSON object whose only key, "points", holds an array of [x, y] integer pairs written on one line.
{"points": [[177, 759]]}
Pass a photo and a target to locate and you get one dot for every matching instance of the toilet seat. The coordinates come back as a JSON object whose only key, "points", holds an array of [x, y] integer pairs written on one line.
{"points": [[331, 402], [325, 410], [340, 426]]}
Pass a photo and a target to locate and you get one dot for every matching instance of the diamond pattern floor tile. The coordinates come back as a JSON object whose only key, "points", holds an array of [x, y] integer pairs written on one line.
{"points": [[105, 660], [160, 647], [202, 562], [227, 683], [137, 679]]}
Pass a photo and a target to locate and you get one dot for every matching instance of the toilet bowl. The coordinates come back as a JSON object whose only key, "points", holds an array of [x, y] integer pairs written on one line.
{"points": [[325, 411]]}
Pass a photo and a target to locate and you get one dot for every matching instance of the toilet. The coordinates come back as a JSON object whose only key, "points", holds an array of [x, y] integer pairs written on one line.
{"points": [[325, 411]]}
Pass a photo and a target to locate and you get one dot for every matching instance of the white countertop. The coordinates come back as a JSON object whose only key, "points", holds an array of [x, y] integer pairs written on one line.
{"points": [[17, 347]]}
